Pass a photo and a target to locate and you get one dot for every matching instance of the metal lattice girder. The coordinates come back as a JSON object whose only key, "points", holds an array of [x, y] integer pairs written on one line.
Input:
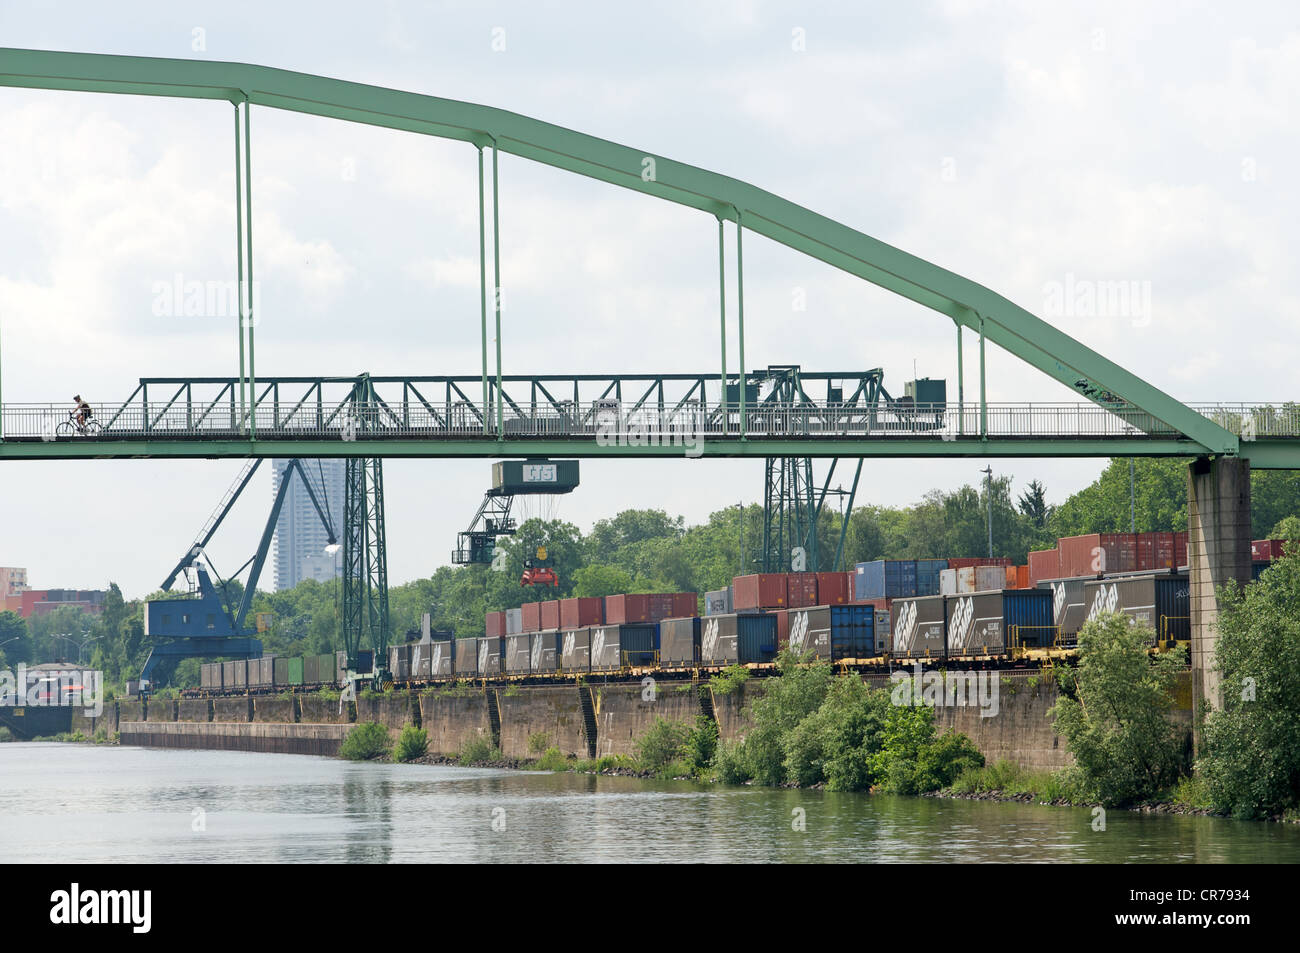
{"points": [[365, 562], [968, 304]]}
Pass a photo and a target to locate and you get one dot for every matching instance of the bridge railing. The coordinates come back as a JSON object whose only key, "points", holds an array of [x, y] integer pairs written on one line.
{"points": [[600, 421]]}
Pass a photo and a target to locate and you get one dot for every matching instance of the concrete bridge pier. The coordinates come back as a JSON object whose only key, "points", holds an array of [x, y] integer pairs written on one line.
{"points": [[1218, 552]]}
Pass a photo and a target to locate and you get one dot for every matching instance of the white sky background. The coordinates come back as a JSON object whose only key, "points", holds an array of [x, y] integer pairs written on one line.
{"points": [[1016, 144]]}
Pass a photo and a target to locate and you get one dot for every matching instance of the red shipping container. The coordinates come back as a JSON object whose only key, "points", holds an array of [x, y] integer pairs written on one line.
{"points": [[760, 591], [685, 605], [1022, 577], [801, 590], [494, 624], [579, 613], [1044, 564], [1097, 553], [1180, 550], [627, 608], [550, 616], [1146, 552], [965, 562], [1162, 545], [1266, 549], [531, 613], [834, 588]]}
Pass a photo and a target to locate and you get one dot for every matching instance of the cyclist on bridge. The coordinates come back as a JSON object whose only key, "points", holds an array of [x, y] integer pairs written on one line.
{"points": [[83, 411]]}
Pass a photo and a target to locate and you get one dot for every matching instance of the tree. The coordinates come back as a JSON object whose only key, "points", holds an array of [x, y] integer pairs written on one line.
{"points": [[1250, 755], [1114, 712], [1033, 504]]}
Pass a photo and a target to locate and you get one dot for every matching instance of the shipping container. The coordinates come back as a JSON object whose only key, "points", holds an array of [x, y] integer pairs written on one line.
{"points": [[464, 657], [518, 654], [399, 661], [532, 617], [1159, 600], [441, 658], [759, 591], [1044, 564], [916, 626], [1165, 553], [575, 650], [990, 578], [489, 655], [1068, 609], [1262, 550], [685, 605], [1097, 553], [494, 624], [833, 589], [579, 613], [550, 616], [282, 670], [718, 602], [834, 633], [210, 676], [884, 578], [422, 666], [744, 638], [679, 642], [928, 572], [882, 625], [514, 622], [991, 623], [948, 582], [239, 672], [800, 589], [626, 608], [1146, 552], [1180, 549], [534, 476], [543, 650], [964, 562], [614, 647]]}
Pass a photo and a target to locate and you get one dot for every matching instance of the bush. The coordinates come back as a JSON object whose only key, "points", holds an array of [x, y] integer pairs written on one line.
{"points": [[5, 734], [414, 743], [662, 744], [365, 742], [1250, 752], [479, 750], [552, 760], [729, 679], [539, 742], [1114, 713], [701, 744]]}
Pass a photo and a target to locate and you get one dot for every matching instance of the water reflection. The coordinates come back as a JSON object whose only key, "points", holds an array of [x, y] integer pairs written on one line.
{"points": [[134, 804]]}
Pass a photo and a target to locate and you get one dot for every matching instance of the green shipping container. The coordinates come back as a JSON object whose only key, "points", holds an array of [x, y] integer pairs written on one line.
{"points": [[294, 676]]}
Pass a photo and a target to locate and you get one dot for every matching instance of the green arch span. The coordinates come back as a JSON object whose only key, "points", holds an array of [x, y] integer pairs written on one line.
{"points": [[1011, 327]]}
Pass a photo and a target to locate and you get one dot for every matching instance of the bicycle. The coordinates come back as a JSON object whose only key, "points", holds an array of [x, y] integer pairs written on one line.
{"points": [[74, 428]]}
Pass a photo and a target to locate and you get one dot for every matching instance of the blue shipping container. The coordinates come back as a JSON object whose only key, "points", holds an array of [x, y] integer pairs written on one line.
{"points": [[756, 638], [885, 579], [927, 576]]}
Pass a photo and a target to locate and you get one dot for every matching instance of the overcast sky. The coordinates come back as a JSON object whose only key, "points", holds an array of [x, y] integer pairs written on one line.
{"points": [[1026, 146]]}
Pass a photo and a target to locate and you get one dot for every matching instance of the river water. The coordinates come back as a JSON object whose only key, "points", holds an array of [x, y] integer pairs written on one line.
{"points": [[86, 803]]}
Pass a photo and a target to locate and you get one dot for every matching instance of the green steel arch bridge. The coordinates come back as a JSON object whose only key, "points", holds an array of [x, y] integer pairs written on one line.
{"points": [[770, 413]]}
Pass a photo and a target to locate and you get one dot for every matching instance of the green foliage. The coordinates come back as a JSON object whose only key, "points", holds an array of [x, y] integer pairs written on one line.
{"points": [[811, 727], [478, 751], [701, 744], [539, 742], [552, 760], [1011, 780], [1104, 506], [1250, 756], [729, 680], [1288, 529], [662, 744], [413, 743], [365, 742], [5, 734], [1114, 712]]}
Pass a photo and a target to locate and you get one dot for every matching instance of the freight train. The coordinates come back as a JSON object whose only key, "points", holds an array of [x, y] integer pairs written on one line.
{"points": [[849, 619]]}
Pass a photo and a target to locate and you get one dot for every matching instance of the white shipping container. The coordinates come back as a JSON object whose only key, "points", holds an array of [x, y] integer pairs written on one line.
{"points": [[948, 582], [514, 621], [990, 577], [966, 579]]}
